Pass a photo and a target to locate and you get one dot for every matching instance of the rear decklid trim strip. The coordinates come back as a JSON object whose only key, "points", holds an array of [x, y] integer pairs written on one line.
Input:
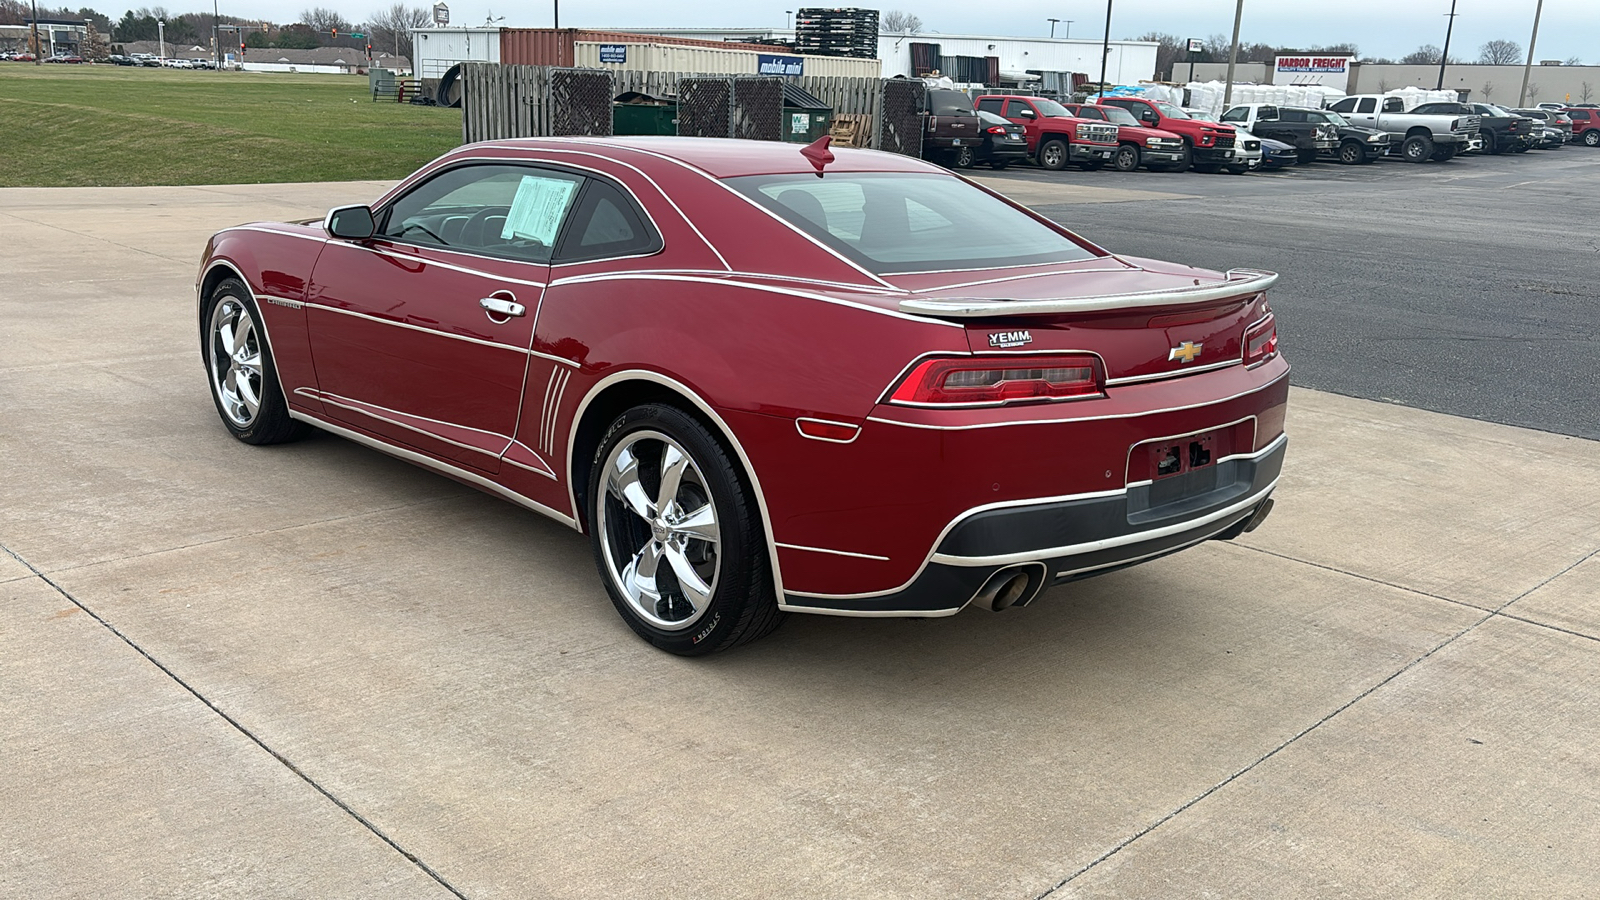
{"points": [[1238, 283]]}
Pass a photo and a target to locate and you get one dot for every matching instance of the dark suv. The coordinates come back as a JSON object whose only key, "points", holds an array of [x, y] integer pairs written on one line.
{"points": [[950, 124]]}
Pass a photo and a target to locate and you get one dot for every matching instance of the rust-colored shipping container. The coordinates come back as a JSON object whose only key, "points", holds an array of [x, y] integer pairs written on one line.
{"points": [[554, 46]]}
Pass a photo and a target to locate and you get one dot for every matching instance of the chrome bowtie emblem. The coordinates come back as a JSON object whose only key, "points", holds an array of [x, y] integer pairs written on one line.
{"points": [[1186, 352]]}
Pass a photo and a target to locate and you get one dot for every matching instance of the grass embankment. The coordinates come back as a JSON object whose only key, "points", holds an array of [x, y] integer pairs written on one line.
{"points": [[105, 125]]}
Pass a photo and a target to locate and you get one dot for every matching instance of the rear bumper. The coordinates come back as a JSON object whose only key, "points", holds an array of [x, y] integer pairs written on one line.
{"points": [[1066, 539]]}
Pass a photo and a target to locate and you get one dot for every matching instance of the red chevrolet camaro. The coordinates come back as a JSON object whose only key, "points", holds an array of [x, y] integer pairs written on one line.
{"points": [[763, 378]]}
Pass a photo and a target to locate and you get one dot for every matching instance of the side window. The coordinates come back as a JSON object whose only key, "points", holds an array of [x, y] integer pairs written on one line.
{"points": [[1394, 104], [1292, 115], [1269, 114], [1579, 114], [1368, 104], [1089, 112], [1344, 106], [605, 224], [991, 104], [1237, 114], [1020, 109], [510, 211]]}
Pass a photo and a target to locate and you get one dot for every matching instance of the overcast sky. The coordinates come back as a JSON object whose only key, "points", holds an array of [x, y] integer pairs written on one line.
{"points": [[1378, 27]]}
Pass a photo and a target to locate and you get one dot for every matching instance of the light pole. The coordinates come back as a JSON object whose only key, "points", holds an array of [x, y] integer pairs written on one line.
{"points": [[161, 36], [1522, 98], [216, 39], [1233, 55], [1068, 35], [786, 14], [1052, 26], [1445, 56], [38, 49], [1105, 51]]}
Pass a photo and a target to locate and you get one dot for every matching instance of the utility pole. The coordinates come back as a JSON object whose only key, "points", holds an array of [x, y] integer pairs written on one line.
{"points": [[557, 4], [38, 48], [216, 38], [1522, 98], [1105, 50], [1068, 35], [1233, 55], [161, 36], [1444, 57], [1052, 26]]}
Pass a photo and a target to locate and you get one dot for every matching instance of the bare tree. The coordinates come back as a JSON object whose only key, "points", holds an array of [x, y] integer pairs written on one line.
{"points": [[390, 29], [1169, 51], [1585, 92], [898, 21], [1533, 91], [1573, 61], [1384, 85], [321, 18], [1500, 53], [1488, 90], [1426, 55]]}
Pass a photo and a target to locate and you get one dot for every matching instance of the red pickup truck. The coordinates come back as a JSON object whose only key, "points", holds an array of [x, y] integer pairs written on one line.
{"points": [[1055, 136], [1208, 146], [1157, 150]]}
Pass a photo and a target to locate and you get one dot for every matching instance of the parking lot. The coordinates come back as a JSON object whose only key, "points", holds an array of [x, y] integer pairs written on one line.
{"points": [[313, 670]]}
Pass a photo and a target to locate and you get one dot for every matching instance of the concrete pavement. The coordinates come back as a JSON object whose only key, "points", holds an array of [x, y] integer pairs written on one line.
{"points": [[312, 670]]}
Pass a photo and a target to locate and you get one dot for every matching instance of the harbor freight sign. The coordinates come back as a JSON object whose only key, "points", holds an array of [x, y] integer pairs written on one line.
{"points": [[771, 64], [1328, 71], [613, 53]]}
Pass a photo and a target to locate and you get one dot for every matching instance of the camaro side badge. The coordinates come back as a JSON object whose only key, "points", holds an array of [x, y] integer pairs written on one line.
{"points": [[1185, 352], [1008, 339]]}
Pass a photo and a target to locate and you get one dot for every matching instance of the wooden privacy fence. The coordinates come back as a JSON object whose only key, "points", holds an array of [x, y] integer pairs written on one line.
{"points": [[509, 101]]}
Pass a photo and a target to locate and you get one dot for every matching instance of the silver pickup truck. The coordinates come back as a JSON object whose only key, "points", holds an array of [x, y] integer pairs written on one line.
{"points": [[1421, 137]]}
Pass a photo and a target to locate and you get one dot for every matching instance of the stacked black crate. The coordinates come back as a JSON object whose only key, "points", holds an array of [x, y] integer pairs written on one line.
{"points": [[837, 32]]}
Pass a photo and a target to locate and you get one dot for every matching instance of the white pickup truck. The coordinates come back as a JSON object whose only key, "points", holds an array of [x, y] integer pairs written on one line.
{"points": [[1421, 137]]}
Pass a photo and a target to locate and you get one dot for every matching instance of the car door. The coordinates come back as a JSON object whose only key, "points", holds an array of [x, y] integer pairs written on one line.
{"points": [[1022, 113], [421, 334]]}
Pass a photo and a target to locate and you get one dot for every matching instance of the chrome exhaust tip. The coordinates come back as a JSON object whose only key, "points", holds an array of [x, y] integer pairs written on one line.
{"points": [[1260, 516], [1008, 587]]}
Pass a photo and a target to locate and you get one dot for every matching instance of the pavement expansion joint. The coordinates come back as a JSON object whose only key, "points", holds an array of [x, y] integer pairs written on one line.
{"points": [[1489, 615], [90, 237], [239, 726]]}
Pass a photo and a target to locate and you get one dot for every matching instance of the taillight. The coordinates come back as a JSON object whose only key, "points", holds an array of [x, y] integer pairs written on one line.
{"points": [[996, 129], [991, 380], [1261, 341]]}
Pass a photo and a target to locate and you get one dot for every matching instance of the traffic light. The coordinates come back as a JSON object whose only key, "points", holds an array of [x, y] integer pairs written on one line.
{"points": [[369, 48], [336, 34], [241, 50]]}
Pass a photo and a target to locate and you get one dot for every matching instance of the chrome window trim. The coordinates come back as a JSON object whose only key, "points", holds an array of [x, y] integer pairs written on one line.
{"points": [[706, 408], [1064, 421], [429, 462], [833, 552], [1030, 556], [386, 202]]}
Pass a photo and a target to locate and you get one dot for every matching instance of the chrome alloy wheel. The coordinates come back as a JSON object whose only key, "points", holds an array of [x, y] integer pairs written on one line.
{"points": [[235, 360], [658, 530]]}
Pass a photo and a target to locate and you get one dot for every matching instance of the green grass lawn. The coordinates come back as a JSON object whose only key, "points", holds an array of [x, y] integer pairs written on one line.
{"points": [[108, 125]]}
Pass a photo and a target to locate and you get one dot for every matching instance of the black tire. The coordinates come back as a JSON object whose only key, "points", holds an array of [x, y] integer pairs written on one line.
{"points": [[1307, 157], [1417, 149], [1093, 165], [1520, 148], [1053, 154], [1352, 153], [1183, 164], [1238, 170], [741, 606], [998, 164], [1207, 168], [1443, 153], [269, 422], [1490, 145], [963, 158], [1126, 158], [1591, 138], [448, 94]]}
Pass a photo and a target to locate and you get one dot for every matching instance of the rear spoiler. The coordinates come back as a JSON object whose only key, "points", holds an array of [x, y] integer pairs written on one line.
{"points": [[1239, 282]]}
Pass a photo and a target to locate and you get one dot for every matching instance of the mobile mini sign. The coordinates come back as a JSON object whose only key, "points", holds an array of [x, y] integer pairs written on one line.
{"points": [[1329, 71], [772, 64]]}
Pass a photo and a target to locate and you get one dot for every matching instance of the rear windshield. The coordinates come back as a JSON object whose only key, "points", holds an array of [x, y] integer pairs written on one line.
{"points": [[893, 222], [949, 103]]}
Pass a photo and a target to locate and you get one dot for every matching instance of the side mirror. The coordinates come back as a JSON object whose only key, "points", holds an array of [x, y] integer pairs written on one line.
{"points": [[1027, 113], [1148, 116], [352, 223]]}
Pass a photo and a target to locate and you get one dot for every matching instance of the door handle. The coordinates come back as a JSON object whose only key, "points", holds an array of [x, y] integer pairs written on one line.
{"points": [[502, 307]]}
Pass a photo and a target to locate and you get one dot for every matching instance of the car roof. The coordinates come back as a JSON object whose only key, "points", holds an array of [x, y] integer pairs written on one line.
{"points": [[723, 157]]}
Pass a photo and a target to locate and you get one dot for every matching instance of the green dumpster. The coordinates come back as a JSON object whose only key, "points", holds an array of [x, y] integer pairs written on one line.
{"points": [[805, 118], [634, 113]]}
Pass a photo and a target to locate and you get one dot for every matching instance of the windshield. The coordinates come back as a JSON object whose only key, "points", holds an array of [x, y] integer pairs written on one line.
{"points": [[949, 103], [1116, 115], [891, 222], [1201, 115], [1170, 111], [1050, 107]]}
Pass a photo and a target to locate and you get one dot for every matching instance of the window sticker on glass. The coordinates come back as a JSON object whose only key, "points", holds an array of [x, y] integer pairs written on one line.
{"points": [[538, 208]]}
